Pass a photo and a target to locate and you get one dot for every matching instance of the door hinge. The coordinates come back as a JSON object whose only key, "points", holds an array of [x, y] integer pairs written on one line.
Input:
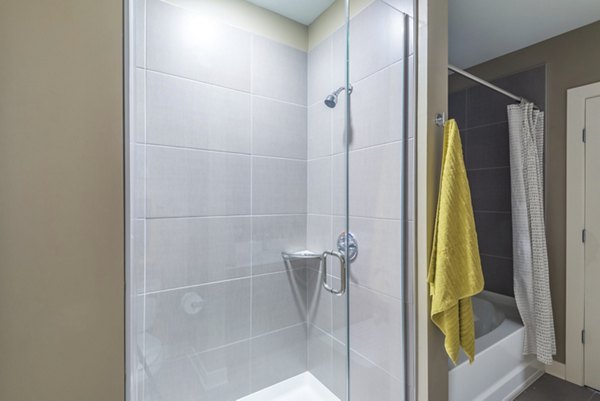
{"points": [[583, 135], [583, 336], [583, 235]]}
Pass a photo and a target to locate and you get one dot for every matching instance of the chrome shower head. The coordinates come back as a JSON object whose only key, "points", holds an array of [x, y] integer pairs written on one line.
{"points": [[331, 101], [332, 98]]}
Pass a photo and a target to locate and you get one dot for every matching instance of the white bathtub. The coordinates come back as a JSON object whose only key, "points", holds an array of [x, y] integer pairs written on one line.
{"points": [[500, 371]]}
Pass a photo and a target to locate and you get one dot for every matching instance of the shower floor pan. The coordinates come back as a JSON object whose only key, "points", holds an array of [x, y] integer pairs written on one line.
{"points": [[304, 387]]}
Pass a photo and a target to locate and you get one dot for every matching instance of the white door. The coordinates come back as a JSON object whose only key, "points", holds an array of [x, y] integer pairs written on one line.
{"points": [[592, 243]]}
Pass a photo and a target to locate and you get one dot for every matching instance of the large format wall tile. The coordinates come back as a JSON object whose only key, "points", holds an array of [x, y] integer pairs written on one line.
{"points": [[138, 161], [484, 130], [377, 108], [376, 329], [318, 234], [490, 189], [196, 183], [139, 31], [278, 129], [136, 276], [494, 233], [319, 186], [367, 380], [320, 356], [319, 130], [378, 264], [226, 209], [190, 251], [279, 71], [278, 186], [498, 274], [191, 320], [191, 114], [278, 300], [487, 147], [319, 72], [377, 35], [172, 379], [375, 181], [222, 374], [278, 356], [319, 301], [272, 235], [139, 129], [405, 6], [184, 43]]}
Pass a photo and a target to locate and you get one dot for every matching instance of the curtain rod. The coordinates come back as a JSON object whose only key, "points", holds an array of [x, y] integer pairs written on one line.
{"points": [[486, 83]]}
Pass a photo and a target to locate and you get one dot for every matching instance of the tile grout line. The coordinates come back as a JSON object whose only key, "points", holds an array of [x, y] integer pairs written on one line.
{"points": [[331, 206], [145, 206], [250, 351], [225, 88]]}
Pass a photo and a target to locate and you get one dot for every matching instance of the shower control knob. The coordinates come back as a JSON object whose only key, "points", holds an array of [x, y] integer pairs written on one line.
{"points": [[352, 245], [192, 303]]}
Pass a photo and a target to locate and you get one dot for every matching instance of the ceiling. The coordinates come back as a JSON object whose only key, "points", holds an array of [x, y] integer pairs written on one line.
{"points": [[481, 30], [302, 11]]}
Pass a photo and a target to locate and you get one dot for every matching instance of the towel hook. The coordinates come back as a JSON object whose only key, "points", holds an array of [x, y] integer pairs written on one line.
{"points": [[440, 119]]}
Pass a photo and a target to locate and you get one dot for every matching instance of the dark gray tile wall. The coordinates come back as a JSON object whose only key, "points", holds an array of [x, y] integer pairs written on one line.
{"points": [[482, 120]]}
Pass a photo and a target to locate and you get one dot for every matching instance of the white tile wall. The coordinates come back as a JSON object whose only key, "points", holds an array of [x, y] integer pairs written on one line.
{"points": [[177, 183], [319, 302], [186, 44], [380, 256], [272, 235], [319, 130], [191, 114], [377, 108], [320, 356], [320, 82], [278, 129], [190, 251], [237, 160], [279, 71], [375, 217], [139, 22], [285, 290], [375, 181], [377, 40], [194, 319], [319, 186], [278, 186], [277, 356]]}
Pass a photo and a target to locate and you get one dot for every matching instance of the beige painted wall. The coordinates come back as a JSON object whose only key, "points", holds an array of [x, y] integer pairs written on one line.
{"points": [[61, 201], [251, 18], [432, 98], [332, 19], [572, 59]]}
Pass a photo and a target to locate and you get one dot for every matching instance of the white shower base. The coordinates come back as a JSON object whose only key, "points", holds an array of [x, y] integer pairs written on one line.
{"points": [[304, 387]]}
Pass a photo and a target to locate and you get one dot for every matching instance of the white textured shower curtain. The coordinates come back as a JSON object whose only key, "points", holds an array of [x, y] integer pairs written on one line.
{"points": [[530, 256]]}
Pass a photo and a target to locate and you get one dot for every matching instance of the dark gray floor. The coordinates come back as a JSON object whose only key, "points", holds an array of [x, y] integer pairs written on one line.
{"points": [[550, 388]]}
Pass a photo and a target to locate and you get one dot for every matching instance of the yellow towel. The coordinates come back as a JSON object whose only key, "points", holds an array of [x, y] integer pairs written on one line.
{"points": [[455, 267]]}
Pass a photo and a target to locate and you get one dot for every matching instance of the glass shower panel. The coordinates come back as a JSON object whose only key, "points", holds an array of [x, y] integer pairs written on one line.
{"points": [[253, 150], [375, 159]]}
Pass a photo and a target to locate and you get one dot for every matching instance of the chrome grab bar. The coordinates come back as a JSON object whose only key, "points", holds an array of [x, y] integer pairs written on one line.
{"points": [[342, 259]]}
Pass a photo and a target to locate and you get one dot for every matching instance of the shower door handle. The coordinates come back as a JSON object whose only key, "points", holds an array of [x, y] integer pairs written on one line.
{"points": [[342, 259]]}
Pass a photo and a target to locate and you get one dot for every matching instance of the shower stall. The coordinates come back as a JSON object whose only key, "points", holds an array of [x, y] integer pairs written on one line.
{"points": [[269, 199]]}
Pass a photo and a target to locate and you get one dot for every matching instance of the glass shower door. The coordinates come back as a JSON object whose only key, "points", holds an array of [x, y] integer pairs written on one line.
{"points": [[371, 152], [254, 148]]}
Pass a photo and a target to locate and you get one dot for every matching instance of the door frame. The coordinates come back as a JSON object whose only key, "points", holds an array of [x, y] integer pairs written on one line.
{"points": [[575, 279]]}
